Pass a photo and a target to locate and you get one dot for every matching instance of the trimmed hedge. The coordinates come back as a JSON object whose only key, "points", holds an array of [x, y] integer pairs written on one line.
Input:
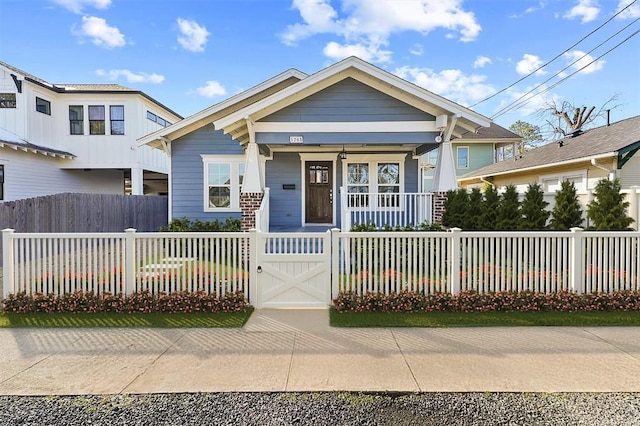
{"points": [[472, 301], [143, 302]]}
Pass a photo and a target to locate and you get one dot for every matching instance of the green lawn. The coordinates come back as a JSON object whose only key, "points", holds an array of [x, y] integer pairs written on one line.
{"points": [[483, 319], [177, 320]]}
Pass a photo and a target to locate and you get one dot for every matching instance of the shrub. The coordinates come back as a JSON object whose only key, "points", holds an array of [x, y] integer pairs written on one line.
{"points": [[489, 215], [185, 225], [141, 302], [534, 213], [509, 216], [455, 208], [566, 213], [472, 301], [608, 210]]}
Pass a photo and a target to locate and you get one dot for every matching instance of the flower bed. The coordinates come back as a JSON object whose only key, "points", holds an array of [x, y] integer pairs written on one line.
{"points": [[142, 302], [472, 301]]}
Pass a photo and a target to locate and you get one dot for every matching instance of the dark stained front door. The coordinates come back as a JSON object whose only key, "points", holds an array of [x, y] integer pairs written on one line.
{"points": [[319, 192]]}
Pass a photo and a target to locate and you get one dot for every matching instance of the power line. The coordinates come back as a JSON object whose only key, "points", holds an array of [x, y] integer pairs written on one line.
{"points": [[556, 57], [525, 101], [511, 106]]}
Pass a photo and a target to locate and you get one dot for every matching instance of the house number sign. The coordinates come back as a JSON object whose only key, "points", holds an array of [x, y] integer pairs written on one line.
{"points": [[296, 139]]}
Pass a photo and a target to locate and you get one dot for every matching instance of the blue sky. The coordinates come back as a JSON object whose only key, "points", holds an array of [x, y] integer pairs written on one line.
{"points": [[190, 54]]}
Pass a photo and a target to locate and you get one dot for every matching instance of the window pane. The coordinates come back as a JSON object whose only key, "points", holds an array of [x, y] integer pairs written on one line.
{"points": [[117, 127], [389, 173], [96, 112], [219, 197], [463, 157], [7, 100], [77, 127], [96, 127], [75, 112], [361, 189], [358, 173], [43, 106], [151, 116], [116, 112], [219, 174]]}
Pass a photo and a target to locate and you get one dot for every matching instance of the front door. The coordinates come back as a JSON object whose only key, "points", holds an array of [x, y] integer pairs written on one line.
{"points": [[319, 192]]}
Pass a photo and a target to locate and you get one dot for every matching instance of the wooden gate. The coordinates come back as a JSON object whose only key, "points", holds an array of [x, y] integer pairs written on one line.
{"points": [[291, 270]]}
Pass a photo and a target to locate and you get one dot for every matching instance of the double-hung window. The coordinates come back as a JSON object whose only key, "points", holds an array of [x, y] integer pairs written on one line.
{"points": [[96, 119], [76, 119], [43, 106], [116, 115], [374, 174], [463, 157], [223, 177]]}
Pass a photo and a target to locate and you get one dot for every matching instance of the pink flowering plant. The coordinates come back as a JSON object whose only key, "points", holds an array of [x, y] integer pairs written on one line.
{"points": [[472, 301], [140, 302]]}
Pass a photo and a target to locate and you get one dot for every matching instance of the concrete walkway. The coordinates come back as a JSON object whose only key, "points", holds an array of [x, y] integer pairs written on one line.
{"points": [[296, 350]]}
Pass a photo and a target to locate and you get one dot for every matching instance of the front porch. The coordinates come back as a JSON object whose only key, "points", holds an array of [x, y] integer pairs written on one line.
{"points": [[379, 210]]}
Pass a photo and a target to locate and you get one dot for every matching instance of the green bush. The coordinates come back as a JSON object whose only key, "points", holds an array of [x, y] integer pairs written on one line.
{"points": [[607, 211], [185, 225]]}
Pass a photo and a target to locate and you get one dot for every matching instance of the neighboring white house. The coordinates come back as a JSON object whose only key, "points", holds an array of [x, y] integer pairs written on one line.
{"points": [[77, 138]]}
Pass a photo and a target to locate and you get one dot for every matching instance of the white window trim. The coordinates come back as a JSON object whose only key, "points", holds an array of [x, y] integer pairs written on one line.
{"points": [[373, 160], [458, 157], [235, 161]]}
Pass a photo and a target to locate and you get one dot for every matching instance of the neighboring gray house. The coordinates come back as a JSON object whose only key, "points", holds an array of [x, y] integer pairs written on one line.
{"points": [[333, 148]]}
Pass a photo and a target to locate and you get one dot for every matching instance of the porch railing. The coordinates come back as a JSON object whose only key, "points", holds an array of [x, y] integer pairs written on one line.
{"points": [[262, 214], [385, 209]]}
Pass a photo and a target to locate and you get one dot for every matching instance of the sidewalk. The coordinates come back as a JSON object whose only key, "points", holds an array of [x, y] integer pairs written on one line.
{"points": [[296, 350]]}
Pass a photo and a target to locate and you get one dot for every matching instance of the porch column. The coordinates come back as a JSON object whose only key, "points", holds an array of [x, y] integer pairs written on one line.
{"points": [[252, 186], [445, 174], [137, 181]]}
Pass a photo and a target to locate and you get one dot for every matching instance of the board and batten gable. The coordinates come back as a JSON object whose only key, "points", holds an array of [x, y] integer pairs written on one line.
{"points": [[348, 101], [187, 172]]}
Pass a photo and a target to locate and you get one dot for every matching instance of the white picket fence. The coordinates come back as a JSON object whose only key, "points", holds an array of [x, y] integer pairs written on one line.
{"points": [[124, 262], [360, 262], [428, 262]]}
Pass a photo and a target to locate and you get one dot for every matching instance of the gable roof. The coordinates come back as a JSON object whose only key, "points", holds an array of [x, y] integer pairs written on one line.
{"points": [[493, 132], [364, 72], [206, 116], [599, 142], [83, 88], [14, 141]]}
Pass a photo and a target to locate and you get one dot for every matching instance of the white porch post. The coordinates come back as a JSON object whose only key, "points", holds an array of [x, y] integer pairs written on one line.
{"points": [[137, 180], [445, 173]]}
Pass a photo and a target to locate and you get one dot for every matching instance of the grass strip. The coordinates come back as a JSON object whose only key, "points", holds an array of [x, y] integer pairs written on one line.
{"points": [[164, 320], [483, 319]]}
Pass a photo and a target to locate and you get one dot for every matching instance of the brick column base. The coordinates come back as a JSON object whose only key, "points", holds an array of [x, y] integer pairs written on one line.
{"points": [[438, 205], [249, 203]]}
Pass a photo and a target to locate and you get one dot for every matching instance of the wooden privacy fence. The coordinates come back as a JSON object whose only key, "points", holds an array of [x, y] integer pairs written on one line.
{"points": [[359, 262], [85, 213]]}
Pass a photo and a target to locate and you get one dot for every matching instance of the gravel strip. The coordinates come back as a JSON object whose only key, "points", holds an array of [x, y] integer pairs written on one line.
{"points": [[325, 408]]}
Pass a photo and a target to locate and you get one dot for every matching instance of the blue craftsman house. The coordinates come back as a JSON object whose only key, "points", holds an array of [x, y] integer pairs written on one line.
{"points": [[331, 149]]}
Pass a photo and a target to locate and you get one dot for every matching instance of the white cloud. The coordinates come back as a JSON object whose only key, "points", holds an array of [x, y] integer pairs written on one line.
{"points": [[193, 37], [530, 104], [587, 10], [369, 24], [541, 5], [528, 64], [581, 59], [76, 6], [481, 61], [131, 77], [100, 32], [451, 84], [211, 89], [369, 53], [631, 12], [417, 49]]}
